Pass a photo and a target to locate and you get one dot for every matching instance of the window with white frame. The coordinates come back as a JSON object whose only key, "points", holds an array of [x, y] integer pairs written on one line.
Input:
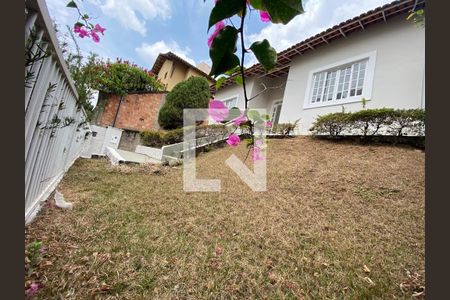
{"points": [[345, 81], [339, 83], [230, 103]]}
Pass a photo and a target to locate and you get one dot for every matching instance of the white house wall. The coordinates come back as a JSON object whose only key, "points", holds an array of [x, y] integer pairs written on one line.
{"points": [[398, 74], [235, 90]]}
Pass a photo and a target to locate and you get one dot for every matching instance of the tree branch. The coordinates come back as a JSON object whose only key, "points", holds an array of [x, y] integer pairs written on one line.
{"points": [[266, 89]]}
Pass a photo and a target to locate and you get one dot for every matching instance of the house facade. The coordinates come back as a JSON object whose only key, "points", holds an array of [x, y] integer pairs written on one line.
{"points": [[378, 56], [172, 69]]}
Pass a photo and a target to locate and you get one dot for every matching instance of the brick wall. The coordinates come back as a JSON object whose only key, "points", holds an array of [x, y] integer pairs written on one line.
{"points": [[137, 112]]}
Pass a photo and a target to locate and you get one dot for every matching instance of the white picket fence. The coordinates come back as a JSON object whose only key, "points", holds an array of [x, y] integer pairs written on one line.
{"points": [[55, 127]]}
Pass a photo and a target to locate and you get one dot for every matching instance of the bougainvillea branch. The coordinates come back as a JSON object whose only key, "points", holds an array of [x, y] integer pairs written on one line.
{"points": [[222, 51], [83, 28]]}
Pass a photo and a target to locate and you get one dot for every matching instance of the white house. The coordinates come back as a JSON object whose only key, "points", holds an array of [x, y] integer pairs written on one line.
{"points": [[379, 56]]}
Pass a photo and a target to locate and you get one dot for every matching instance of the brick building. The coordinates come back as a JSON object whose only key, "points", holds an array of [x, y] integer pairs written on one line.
{"points": [[133, 113]]}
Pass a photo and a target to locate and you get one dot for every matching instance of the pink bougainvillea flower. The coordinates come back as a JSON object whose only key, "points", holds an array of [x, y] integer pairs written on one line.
{"points": [[76, 28], [239, 120], [32, 290], [82, 32], [268, 124], [233, 140], [95, 36], [217, 28], [264, 16], [98, 28], [217, 110]]}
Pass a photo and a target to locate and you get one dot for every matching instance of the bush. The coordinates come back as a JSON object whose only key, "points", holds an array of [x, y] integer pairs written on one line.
{"points": [[332, 124], [160, 138], [285, 129], [371, 122], [152, 138], [173, 136], [191, 93]]}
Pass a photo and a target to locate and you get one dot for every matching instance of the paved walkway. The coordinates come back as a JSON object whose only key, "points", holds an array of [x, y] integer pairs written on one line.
{"points": [[136, 157]]}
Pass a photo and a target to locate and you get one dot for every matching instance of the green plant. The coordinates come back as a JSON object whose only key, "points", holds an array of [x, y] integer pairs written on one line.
{"points": [[173, 136], [152, 138], [285, 129], [370, 122], [410, 121], [332, 124], [191, 93]]}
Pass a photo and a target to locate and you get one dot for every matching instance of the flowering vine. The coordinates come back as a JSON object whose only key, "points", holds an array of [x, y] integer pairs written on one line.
{"points": [[222, 45], [83, 27]]}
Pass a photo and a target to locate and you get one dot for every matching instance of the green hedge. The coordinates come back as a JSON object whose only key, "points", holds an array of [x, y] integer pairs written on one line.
{"points": [[161, 138], [371, 122]]}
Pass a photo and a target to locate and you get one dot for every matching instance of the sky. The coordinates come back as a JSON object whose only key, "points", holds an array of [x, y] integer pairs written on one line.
{"points": [[138, 30]]}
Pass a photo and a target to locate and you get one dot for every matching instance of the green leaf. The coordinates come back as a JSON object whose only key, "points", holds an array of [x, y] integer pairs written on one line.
{"points": [[224, 9], [222, 51], [254, 116], [234, 70], [220, 82], [79, 24], [238, 80], [234, 113], [266, 54], [282, 11], [257, 4], [227, 62], [72, 4]]}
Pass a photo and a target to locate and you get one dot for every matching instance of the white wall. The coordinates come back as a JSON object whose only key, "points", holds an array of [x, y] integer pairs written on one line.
{"points": [[104, 137], [235, 90], [398, 74], [264, 100]]}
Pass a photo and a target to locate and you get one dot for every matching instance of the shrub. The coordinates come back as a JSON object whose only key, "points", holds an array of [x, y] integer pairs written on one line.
{"points": [[332, 124], [120, 77], [285, 129], [152, 138], [173, 136], [410, 121], [191, 93], [370, 122], [161, 138]]}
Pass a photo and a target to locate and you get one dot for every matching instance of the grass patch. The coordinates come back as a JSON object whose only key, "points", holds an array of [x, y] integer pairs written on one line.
{"points": [[337, 221]]}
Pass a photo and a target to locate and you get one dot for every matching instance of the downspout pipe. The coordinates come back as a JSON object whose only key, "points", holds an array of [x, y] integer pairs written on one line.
{"points": [[117, 111]]}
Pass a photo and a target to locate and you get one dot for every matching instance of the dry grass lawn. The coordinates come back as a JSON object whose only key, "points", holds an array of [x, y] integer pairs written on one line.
{"points": [[338, 221]]}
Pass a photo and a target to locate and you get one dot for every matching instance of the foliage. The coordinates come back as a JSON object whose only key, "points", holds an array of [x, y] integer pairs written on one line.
{"points": [[417, 17], [162, 138], [83, 27], [74, 60], [332, 124], [191, 93], [223, 47], [152, 138], [285, 129], [370, 122], [34, 52], [119, 77]]}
